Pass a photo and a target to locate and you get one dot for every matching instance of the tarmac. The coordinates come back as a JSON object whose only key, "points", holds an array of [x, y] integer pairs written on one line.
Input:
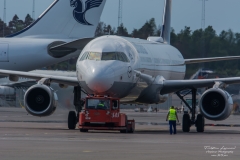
{"points": [[24, 137]]}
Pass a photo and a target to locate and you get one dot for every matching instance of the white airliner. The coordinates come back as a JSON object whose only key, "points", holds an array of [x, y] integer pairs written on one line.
{"points": [[64, 22], [137, 71]]}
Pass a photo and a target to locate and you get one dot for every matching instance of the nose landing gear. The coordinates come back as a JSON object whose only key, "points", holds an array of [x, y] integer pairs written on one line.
{"points": [[72, 116]]}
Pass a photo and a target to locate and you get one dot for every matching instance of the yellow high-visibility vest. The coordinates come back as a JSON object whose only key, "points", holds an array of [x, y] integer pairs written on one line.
{"points": [[172, 115], [102, 105]]}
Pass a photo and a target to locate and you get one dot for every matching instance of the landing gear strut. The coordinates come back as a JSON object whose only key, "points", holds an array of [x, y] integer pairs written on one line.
{"points": [[188, 121], [77, 98], [72, 116]]}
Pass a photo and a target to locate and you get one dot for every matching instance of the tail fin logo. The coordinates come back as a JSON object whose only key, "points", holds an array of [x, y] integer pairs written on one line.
{"points": [[80, 10]]}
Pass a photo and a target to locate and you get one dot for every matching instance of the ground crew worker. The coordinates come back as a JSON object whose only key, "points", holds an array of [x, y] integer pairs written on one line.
{"points": [[101, 104], [172, 117]]}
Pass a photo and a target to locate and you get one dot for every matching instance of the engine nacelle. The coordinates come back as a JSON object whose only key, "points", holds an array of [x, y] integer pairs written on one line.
{"points": [[40, 100], [216, 104]]}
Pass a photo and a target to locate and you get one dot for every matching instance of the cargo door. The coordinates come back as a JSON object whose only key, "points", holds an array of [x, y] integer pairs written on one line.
{"points": [[4, 57]]}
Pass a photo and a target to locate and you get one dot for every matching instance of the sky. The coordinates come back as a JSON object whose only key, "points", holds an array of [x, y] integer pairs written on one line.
{"points": [[221, 14]]}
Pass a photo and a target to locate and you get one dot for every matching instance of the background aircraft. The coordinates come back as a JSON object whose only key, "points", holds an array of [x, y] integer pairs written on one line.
{"points": [[12, 91], [60, 24], [137, 71]]}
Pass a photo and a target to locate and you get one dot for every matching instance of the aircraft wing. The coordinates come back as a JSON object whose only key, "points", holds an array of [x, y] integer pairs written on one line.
{"points": [[57, 79], [203, 60], [25, 84], [212, 59], [170, 86]]}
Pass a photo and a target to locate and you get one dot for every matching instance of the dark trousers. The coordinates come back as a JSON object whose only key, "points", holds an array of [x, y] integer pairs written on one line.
{"points": [[172, 124]]}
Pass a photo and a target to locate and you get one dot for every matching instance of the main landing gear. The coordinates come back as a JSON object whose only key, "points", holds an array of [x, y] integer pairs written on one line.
{"points": [[72, 120], [73, 116], [188, 121]]}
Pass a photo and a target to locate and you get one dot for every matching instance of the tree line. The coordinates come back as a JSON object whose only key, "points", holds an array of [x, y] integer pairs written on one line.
{"points": [[192, 44], [15, 25]]}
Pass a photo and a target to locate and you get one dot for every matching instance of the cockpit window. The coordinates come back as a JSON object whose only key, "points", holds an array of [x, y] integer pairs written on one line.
{"points": [[123, 57], [84, 56], [94, 56], [105, 56], [109, 56]]}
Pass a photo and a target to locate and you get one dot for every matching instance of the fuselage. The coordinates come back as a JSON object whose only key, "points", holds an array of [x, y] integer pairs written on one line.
{"points": [[26, 54], [107, 66]]}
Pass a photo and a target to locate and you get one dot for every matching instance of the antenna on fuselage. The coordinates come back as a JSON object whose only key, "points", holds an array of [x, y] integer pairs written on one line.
{"points": [[166, 26]]}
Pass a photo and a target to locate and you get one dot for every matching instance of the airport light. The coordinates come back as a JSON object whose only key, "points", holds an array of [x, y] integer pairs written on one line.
{"points": [[4, 16], [120, 12], [33, 11]]}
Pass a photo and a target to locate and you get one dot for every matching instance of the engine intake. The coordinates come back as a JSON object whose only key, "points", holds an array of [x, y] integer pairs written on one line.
{"points": [[40, 100], [216, 104]]}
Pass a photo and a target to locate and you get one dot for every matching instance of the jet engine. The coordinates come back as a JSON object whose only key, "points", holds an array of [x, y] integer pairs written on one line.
{"points": [[216, 104], [40, 100]]}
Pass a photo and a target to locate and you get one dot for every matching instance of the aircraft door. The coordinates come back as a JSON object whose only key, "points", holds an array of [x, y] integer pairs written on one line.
{"points": [[4, 52]]}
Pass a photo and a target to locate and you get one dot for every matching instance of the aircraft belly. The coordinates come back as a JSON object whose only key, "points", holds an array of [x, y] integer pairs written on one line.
{"points": [[129, 92]]}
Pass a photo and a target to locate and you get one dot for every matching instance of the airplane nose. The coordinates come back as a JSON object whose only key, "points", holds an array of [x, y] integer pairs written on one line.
{"points": [[100, 78]]}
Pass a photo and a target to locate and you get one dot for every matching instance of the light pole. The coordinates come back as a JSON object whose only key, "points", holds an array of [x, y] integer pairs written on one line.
{"points": [[4, 16]]}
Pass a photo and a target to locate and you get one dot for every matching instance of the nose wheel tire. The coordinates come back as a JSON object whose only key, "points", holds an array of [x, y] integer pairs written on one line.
{"points": [[72, 120], [200, 123], [186, 123]]}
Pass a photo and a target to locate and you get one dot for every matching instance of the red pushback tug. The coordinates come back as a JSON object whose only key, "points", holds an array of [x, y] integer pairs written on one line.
{"points": [[103, 113]]}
